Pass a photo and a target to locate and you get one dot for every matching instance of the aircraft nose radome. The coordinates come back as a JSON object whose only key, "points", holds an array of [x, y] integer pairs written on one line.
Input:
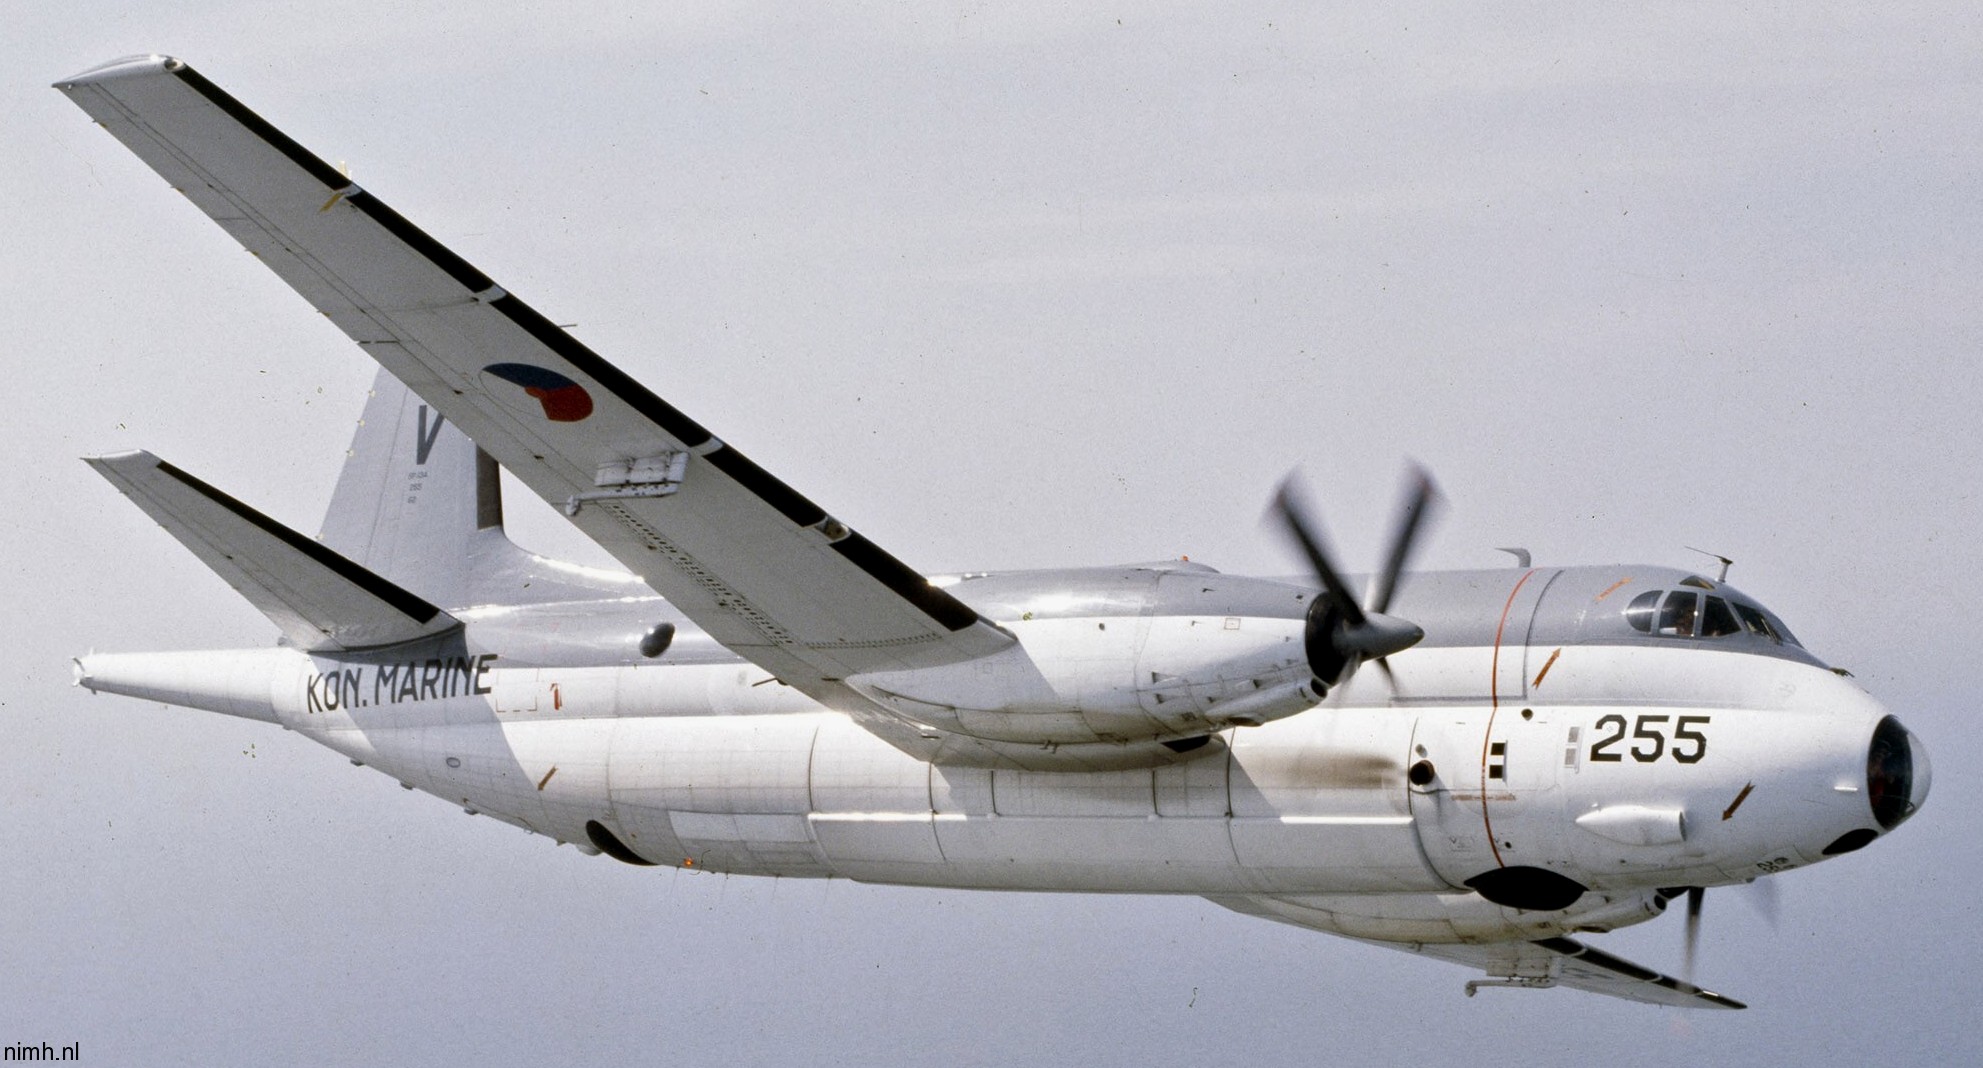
{"points": [[1896, 777], [1924, 772], [1897, 773]]}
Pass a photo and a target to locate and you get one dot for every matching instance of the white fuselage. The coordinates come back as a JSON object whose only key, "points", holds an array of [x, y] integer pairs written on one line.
{"points": [[1760, 764]]}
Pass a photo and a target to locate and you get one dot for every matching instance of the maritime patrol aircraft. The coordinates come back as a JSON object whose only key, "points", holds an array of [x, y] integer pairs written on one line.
{"points": [[1538, 752]]}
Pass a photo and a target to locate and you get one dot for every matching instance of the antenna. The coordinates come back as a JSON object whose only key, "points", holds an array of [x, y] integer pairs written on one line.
{"points": [[1521, 555], [1725, 562]]}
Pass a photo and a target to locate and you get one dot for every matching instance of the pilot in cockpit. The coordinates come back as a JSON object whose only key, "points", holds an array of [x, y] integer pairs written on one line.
{"points": [[1678, 618]]}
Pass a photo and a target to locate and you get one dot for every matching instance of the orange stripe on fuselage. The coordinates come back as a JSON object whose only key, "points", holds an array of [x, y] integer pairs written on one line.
{"points": [[1494, 708]]}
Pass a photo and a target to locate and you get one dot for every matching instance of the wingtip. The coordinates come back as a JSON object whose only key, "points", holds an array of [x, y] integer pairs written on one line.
{"points": [[113, 459], [127, 67], [121, 466]]}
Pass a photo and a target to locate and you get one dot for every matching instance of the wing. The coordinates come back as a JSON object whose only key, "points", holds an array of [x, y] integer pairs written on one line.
{"points": [[1544, 962], [1568, 962], [758, 565]]}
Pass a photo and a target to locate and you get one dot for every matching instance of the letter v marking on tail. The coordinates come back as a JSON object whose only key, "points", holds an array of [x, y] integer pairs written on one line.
{"points": [[425, 438]]}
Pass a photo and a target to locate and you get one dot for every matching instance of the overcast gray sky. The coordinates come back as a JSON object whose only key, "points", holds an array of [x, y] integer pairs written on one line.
{"points": [[1011, 285]]}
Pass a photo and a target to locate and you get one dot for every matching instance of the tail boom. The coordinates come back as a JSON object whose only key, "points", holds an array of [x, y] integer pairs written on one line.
{"points": [[249, 683]]}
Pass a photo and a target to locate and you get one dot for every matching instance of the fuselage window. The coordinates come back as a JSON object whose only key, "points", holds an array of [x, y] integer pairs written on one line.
{"points": [[1717, 620], [1677, 614], [1640, 612]]}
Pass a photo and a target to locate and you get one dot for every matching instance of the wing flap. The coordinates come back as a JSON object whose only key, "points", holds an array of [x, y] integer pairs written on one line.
{"points": [[1538, 963], [319, 599], [758, 565], [1568, 962]]}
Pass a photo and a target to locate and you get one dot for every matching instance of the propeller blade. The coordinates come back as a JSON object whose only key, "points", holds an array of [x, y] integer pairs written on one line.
{"points": [[1294, 516], [1766, 897], [1420, 496], [1340, 633], [1695, 897]]}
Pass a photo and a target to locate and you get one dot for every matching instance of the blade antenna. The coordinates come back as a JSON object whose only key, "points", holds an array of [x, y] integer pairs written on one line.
{"points": [[1725, 561]]}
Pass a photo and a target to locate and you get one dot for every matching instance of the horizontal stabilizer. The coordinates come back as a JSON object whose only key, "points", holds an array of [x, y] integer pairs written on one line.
{"points": [[319, 599]]}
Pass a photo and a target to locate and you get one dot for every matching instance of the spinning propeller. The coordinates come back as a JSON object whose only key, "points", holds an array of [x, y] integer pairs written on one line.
{"points": [[1341, 634], [1762, 893], [1696, 896]]}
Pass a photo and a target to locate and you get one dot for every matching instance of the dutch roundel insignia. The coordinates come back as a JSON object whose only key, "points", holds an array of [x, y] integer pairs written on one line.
{"points": [[564, 400]]}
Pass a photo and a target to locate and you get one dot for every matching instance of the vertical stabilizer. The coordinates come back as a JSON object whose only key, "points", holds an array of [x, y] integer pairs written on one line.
{"points": [[419, 504], [413, 496]]}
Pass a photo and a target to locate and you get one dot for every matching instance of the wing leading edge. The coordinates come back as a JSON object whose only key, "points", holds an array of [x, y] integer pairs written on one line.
{"points": [[765, 570]]}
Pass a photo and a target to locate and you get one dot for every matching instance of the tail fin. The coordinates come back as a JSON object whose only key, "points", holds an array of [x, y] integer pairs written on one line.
{"points": [[419, 504], [413, 495], [318, 598]]}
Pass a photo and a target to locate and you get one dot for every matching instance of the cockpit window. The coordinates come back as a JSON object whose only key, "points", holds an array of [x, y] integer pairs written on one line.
{"points": [[1640, 612], [1684, 613], [1677, 612], [1755, 621], [1717, 620]]}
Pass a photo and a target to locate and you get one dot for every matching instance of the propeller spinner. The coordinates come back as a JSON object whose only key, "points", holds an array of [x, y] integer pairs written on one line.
{"points": [[1341, 634]]}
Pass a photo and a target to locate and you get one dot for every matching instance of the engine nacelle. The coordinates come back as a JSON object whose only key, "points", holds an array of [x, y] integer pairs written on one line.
{"points": [[1192, 678]]}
